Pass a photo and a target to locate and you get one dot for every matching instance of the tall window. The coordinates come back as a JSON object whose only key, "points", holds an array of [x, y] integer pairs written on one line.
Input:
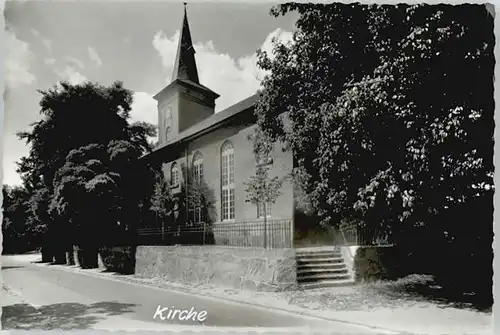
{"points": [[198, 199], [168, 123], [227, 181], [174, 175], [197, 168], [260, 210]]}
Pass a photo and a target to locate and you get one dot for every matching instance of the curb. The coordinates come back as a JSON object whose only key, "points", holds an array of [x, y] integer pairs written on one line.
{"points": [[185, 290]]}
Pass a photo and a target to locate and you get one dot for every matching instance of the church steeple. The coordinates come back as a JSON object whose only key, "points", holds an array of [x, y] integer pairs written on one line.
{"points": [[185, 63], [185, 101]]}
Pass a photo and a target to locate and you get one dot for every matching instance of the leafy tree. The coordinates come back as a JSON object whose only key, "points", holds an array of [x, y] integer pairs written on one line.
{"points": [[73, 196], [427, 136], [73, 117], [169, 207], [373, 113], [263, 189], [397, 136], [90, 194], [201, 201], [161, 201], [326, 52], [202, 208]]}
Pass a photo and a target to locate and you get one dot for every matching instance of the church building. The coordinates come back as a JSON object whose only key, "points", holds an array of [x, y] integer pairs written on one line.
{"points": [[198, 146]]}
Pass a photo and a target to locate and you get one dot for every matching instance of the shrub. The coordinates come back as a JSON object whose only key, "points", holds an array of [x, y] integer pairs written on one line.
{"points": [[380, 263], [119, 259]]}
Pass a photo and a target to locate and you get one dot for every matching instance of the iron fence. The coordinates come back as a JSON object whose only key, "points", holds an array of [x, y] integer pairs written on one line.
{"points": [[350, 236], [273, 234]]}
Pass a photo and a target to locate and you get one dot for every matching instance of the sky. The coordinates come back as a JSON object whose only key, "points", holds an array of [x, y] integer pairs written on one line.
{"points": [[134, 42]]}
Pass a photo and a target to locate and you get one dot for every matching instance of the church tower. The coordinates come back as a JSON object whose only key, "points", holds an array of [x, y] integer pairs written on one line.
{"points": [[184, 102]]}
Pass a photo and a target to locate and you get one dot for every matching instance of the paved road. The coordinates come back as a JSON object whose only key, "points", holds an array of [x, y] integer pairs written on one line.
{"points": [[50, 298]]}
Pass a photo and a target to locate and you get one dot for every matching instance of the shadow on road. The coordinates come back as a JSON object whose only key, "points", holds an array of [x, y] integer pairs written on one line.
{"points": [[11, 267], [60, 316]]}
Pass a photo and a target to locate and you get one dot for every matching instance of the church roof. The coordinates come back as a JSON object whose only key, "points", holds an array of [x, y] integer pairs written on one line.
{"points": [[218, 120], [189, 84]]}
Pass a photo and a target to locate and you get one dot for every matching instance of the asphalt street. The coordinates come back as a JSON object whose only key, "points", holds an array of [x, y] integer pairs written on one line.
{"points": [[44, 297]]}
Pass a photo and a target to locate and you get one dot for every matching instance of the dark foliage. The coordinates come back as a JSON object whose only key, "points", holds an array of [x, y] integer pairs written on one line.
{"points": [[119, 259], [18, 236], [388, 111], [185, 212], [81, 171], [381, 263]]}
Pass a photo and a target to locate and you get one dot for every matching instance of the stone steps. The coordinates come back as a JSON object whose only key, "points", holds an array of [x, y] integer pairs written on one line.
{"points": [[318, 254], [318, 276], [321, 267], [326, 283], [322, 276], [319, 260], [313, 271], [338, 265]]}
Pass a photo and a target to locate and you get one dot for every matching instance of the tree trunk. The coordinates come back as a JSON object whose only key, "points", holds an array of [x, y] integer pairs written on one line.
{"points": [[70, 257], [47, 255], [59, 254], [79, 256], [90, 254]]}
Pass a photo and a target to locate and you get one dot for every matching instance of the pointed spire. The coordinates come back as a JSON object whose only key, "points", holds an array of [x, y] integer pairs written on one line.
{"points": [[185, 63]]}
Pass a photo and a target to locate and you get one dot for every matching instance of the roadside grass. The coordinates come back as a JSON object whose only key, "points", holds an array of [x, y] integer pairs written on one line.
{"points": [[409, 291]]}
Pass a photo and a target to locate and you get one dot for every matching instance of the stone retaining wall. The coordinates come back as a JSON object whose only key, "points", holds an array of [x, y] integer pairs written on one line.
{"points": [[241, 268], [349, 253]]}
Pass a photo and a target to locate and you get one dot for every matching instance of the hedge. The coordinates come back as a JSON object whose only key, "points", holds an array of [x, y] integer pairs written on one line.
{"points": [[119, 259]]}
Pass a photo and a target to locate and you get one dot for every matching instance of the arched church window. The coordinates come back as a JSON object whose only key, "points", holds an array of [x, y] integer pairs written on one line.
{"points": [[198, 168], [227, 181]]}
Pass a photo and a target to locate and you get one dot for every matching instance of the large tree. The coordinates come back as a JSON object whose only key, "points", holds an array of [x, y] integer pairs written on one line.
{"points": [[86, 199], [395, 134], [75, 116], [402, 106]]}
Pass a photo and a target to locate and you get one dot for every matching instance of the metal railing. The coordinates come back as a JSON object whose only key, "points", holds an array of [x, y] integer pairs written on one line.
{"points": [[274, 234], [350, 236]]}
